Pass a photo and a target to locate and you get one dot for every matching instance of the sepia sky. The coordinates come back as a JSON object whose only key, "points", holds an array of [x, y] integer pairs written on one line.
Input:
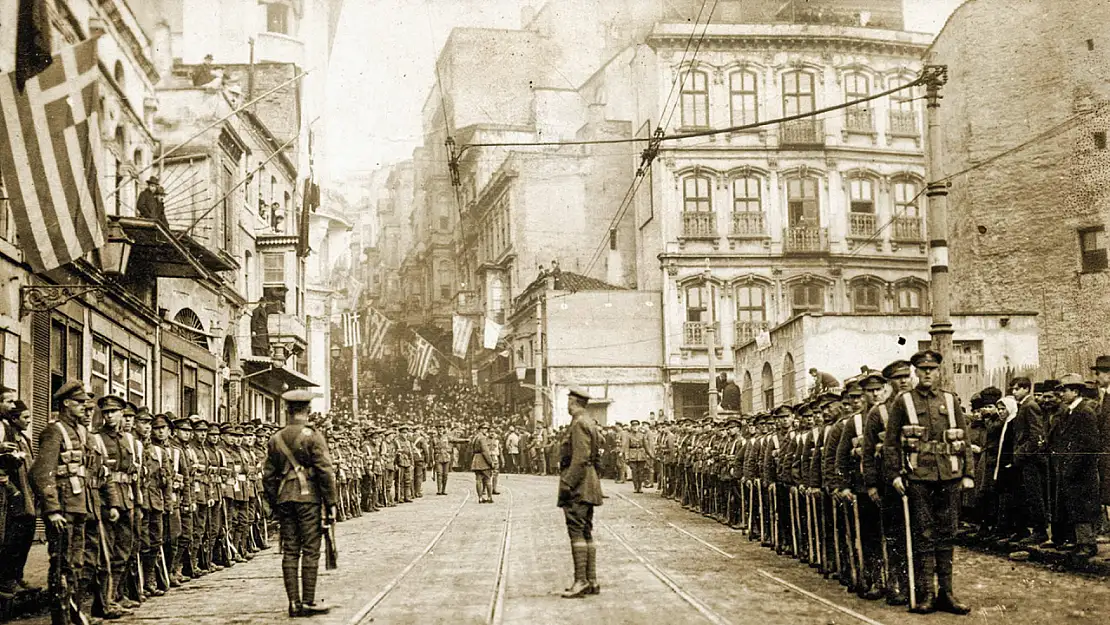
{"points": [[382, 69]]}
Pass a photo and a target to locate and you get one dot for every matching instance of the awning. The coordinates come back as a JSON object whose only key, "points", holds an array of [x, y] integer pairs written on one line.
{"points": [[154, 246], [260, 371], [213, 259]]}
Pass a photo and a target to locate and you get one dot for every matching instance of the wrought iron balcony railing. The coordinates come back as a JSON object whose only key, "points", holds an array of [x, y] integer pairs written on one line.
{"points": [[694, 334]]}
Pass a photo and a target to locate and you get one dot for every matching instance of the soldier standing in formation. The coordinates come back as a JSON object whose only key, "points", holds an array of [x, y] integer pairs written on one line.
{"points": [[299, 479], [441, 458], [580, 491]]}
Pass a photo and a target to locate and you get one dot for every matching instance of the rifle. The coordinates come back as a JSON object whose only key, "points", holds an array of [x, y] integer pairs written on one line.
{"points": [[772, 493], [751, 509], [231, 552], [58, 583], [139, 569], [857, 566], [103, 540], [794, 527], [331, 553], [165, 568], [909, 550], [762, 532], [836, 534]]}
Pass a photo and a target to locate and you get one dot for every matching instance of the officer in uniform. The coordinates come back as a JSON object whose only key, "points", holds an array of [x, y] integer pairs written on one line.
{"points": [[441, 457], [121, 474], [638, 451], [157, 498], [184, 502], [299, 479], [925, 447], [404, 465], [865, 517], [420, 456], [580, 491]]}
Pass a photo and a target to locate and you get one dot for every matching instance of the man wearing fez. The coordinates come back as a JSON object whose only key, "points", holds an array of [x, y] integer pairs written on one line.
{"points": [[580, 491], [925, 448], [298, 479]]}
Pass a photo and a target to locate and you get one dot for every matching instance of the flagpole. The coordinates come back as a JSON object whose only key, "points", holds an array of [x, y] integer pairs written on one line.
{"points": [[354, 381]]}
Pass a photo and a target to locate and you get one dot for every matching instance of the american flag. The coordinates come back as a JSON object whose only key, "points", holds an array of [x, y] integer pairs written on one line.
{"points": [[50, 154], [379, 328], [421, 356], [352, 329]]}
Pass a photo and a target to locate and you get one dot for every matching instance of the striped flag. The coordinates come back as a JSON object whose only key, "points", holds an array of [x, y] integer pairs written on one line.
{"points": [[461, 329], [379, 328], [420, 354], [50, 156], [352, 329]]}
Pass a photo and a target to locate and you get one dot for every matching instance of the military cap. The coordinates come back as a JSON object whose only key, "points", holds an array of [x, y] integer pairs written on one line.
{"points": [[733, 421], [831, 395], [110, 403], [897, 369], [171, 416], [926, 359], [256, 422], [579, 393], [214, 428], [852, 387], [159, 421], [991, 394], [872, 381], [142, 414], [298, 395], [782, 410], [74, 390], [200, 423], [183, 424], [405, 427], [803, 407], [1072, 380], [634, 422], [129, 409]]}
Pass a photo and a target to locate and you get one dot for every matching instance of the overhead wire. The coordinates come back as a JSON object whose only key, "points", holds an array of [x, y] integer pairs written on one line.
{"points": [[693, 60]]}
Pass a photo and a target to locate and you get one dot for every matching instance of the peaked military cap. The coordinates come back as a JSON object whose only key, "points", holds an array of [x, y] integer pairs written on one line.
{"points": [[1102, 363], [872, 381], [782, 410], [109, 403], [183, 424], [129, 409], [298, 395], [897, 369], [214, 428], [74, 390], [852, 387], [927, 359], [579, 393], [159, 421], [634, 422], [831, 395]]}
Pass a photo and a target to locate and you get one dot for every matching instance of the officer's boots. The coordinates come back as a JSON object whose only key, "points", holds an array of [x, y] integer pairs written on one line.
{"points": [[946, 600], [310, 569], [924, 567], [579, 551], [591, 567]]}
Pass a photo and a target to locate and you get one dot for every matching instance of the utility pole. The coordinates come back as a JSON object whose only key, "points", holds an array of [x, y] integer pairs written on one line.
{"points": [[935, 77], [354, 380], [537, 357], [711, 343]]}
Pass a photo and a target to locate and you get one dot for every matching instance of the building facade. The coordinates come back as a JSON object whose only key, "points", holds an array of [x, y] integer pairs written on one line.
{"points": [[1028, 230]]}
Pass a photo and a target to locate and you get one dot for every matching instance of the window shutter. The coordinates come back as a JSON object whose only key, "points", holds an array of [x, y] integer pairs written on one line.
{"points": [[40, 373]]}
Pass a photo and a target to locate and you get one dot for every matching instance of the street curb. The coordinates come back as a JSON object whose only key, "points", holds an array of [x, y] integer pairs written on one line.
{"points": [[1098, 566]]}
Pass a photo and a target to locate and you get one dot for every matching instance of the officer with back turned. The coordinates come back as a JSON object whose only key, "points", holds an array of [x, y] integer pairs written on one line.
{"points": [[580, 491], [299, 480], [925, 448]]}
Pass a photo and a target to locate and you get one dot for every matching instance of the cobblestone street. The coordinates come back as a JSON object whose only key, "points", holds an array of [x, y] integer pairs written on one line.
{"points": [[450, 560]]}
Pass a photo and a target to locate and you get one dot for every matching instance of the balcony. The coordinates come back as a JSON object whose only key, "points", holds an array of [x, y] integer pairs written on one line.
{"points": [[287, 331], [748, 224], [859, 120], [746, 331], [699, 225], [802, 133], [861, 225], [805, 240], [903, 123], [694, 333], [908, 229]]}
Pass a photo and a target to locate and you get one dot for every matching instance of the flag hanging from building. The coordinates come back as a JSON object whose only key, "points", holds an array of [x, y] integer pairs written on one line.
{"points": [[461, 329], [420, 354], [378, 329], [25, 37], [50, 154], [352, 329], [492, 334]]}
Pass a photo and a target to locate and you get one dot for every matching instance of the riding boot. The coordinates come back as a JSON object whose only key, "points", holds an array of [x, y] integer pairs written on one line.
{"points": [[289, 570], [579, 552], [591, 567], [924, 567]]}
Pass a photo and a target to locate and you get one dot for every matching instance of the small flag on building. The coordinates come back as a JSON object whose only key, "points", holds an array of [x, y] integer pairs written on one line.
{"points": [[50, 156], [379, 328], [420, 353], [492, 334], [352, 329], [461, 329]]}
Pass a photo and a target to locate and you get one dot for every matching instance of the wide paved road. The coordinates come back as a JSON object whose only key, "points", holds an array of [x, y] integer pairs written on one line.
{"points": [[450, 560]]}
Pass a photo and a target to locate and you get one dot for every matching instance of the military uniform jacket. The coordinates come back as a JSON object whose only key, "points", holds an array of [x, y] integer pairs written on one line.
{"points": [[404, 453], [579, 463], [875, 473], [816, 478], [753, 468], [120, 466], [442, 449], [849, 453], [772, 448], [157, 477], [481, 452], [58, 475], [224, 477], [314, 482], [182, 477], [100, 491], [935, 458], [137, 449], [830, 477], [638, 447], [18, 465], [389, 454]]}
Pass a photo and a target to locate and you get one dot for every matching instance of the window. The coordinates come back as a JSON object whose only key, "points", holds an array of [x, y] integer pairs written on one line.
{"points": [[227, 210], [695, 100], [171, 385], [807, 297], [277, 18], [7, 223], [189, 391], [117, 74], [751, 306], [1100, 140], [117, 159], [612, 239], [909, 299], [862, 195], [444, 279], [788, 385], [248, 270], [9, 371], [273, 268], [802, 203], [136, 383], [696, 194], [746, 394], [744, 98], [1092, 245], [701, 303], [905, 199], [866, 297], [797, 93], [65, 353], [903, 115], [300, 286], [857, 116], [768, 385], [746, 195], [496, 295], [901, 100], [205, 381], [119, 374]]}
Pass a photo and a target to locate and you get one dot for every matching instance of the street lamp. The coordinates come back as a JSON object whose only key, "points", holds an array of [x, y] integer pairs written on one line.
{"points": [[115, 255]]}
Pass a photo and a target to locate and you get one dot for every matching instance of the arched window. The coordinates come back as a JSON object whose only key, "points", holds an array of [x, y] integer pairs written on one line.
{"points": [[911, 297], [695, 100], [798, 94], [802, 203], [858, 116], [807, 297], [788, 390], [866, 296], [701, 311], [744, 98], [496, 296], [861, 202], [746, 393], [903, 114], [768, 386], [751, 311], [189, 324], [747, 207], [117, 74], [698, 218]]}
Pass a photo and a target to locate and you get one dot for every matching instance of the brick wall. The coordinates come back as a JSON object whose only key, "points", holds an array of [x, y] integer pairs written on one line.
{"points": [[1016, 71], [280, 111]]}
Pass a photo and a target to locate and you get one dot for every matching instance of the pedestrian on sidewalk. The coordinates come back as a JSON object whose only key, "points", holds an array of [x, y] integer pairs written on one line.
{"points": [[580, 491], [298, 479]]}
